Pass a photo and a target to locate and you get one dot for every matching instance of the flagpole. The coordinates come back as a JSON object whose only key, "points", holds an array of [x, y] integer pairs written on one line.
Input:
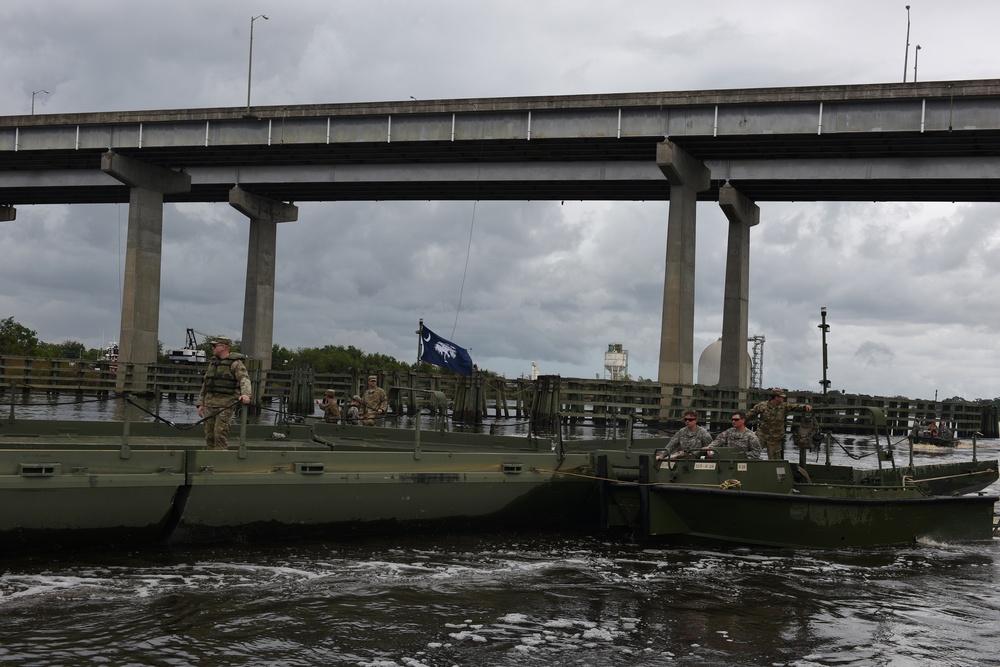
{"points": [[420, 342], [416, 397]]}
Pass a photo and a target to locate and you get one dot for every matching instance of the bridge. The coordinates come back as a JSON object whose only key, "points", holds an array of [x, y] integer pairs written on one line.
{"points": [[928, 141]]}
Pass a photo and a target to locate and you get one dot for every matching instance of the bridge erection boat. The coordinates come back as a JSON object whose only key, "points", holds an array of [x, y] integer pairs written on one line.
{"points": [[718, 494]]}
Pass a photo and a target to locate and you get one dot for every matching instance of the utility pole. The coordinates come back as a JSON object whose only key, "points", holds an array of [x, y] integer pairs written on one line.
{"points": [[825, 328]]}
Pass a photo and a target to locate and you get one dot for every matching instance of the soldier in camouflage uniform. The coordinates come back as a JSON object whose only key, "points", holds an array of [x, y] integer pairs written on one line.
{"points": [[739, 436], [772, 412], [688, 439], [375, 401], [354, 411], [328, 404], [226, 383]]}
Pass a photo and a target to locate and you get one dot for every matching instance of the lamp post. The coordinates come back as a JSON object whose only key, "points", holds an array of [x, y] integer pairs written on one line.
{"points": [[250, 65], [906, 57], [33, 93], [916, 56]]}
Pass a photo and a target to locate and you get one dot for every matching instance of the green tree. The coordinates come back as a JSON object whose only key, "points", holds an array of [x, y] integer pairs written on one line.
{"points": [[17, 339]]}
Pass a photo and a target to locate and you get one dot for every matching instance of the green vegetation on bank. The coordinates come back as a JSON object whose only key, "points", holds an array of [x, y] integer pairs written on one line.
{"points": [[18, 340]]}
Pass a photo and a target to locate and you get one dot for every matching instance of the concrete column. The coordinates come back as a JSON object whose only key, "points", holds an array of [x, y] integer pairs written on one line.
{"points": [[742, 214], [258, 303], [687, 177], [141, 289], [7, 213]]}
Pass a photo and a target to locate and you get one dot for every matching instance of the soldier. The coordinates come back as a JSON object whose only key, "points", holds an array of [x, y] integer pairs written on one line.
{"points": [[687, 439], [226, 384], [354, 411], [771, 412], [328, 404], [374, 400], [739, 436]]}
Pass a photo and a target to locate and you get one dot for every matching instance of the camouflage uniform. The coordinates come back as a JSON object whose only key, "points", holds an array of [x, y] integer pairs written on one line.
{"points": [[375, 403], [688, 440], [225, 381], [771, 431], [331, 411], [745, 440], [354, 412]]}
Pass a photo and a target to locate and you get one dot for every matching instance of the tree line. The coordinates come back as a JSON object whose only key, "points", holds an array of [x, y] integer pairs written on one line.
{"points": [[18, 340]]}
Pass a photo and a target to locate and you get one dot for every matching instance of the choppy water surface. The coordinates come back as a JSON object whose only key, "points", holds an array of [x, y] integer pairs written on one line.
{"points": [[503, 600], [507, 599]]}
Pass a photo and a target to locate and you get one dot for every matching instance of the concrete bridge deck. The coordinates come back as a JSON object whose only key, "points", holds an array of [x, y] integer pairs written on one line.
{"points": [[928, 141]]}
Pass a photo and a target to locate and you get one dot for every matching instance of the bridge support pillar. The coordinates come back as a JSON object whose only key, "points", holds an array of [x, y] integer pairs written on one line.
{"points": [[258, 303], [141, 290], [687, 177], [742, 214], [7, 213]]}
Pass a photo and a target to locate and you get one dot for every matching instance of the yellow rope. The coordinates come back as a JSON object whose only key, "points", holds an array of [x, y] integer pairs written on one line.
{"points": [[728, 484], [908, 478]]}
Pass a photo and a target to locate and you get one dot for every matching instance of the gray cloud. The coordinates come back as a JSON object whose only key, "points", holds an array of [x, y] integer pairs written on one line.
{"points": [[908, 287]]}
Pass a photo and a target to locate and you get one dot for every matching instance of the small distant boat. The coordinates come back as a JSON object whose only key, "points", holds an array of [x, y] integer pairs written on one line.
{"points": [[190, 353], [931, 432]]}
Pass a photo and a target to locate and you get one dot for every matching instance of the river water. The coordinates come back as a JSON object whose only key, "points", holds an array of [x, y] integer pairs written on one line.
{"points": [[506, 599]]}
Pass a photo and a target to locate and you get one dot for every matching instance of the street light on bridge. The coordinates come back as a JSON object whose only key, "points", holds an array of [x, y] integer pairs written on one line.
{"points": [[250, 66], [916, 55], [906, 57], [33, 93]]}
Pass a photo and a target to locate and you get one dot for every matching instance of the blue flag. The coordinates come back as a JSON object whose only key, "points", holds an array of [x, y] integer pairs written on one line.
{"points": [[441, 352]]}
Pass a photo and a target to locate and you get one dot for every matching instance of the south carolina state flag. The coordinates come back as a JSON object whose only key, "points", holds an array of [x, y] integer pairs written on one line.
{"points": [[441, 352]]}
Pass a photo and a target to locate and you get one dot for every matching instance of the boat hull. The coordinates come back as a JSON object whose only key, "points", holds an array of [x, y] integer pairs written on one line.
{"points": [[759, 502]]}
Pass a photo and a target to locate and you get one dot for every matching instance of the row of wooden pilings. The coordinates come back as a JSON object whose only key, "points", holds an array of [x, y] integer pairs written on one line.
{"points": [[546, 401]]}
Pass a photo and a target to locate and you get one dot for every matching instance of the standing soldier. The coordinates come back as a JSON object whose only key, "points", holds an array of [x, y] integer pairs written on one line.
{"points": [[772, 412], [328, 404], [375, 401], [226, 384]]}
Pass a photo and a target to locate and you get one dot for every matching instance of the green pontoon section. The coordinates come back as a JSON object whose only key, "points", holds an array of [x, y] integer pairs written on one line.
{"points": [[55, 496], [264, 492]]}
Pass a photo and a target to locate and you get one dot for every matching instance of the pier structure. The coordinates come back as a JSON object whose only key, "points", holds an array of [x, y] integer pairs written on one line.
{"points": [[927, 141], [545, 402]]}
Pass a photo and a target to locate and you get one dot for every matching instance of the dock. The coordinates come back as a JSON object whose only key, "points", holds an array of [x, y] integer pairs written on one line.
{"points": [[547, 401]]}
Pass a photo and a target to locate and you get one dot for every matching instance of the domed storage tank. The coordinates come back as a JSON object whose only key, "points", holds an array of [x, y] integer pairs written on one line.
{"points": [[710, 362]]}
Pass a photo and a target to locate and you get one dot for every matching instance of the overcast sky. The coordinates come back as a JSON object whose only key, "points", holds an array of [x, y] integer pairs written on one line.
{"points": [[909, 288]]}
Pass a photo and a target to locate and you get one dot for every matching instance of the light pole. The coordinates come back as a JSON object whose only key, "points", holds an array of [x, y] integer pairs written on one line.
{"points": [[906, 57], [33, 93], [916, 56], [250, 66]]}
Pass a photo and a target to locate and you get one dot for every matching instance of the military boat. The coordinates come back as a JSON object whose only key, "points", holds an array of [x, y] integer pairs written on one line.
{"points": [[720, 495], [70, 483], [930, 432]]}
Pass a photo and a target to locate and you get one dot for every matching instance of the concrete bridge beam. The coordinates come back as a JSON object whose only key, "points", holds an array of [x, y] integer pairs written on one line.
{"points": [[687, 177], [742, 214], [258, 304], [141, 290]]}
